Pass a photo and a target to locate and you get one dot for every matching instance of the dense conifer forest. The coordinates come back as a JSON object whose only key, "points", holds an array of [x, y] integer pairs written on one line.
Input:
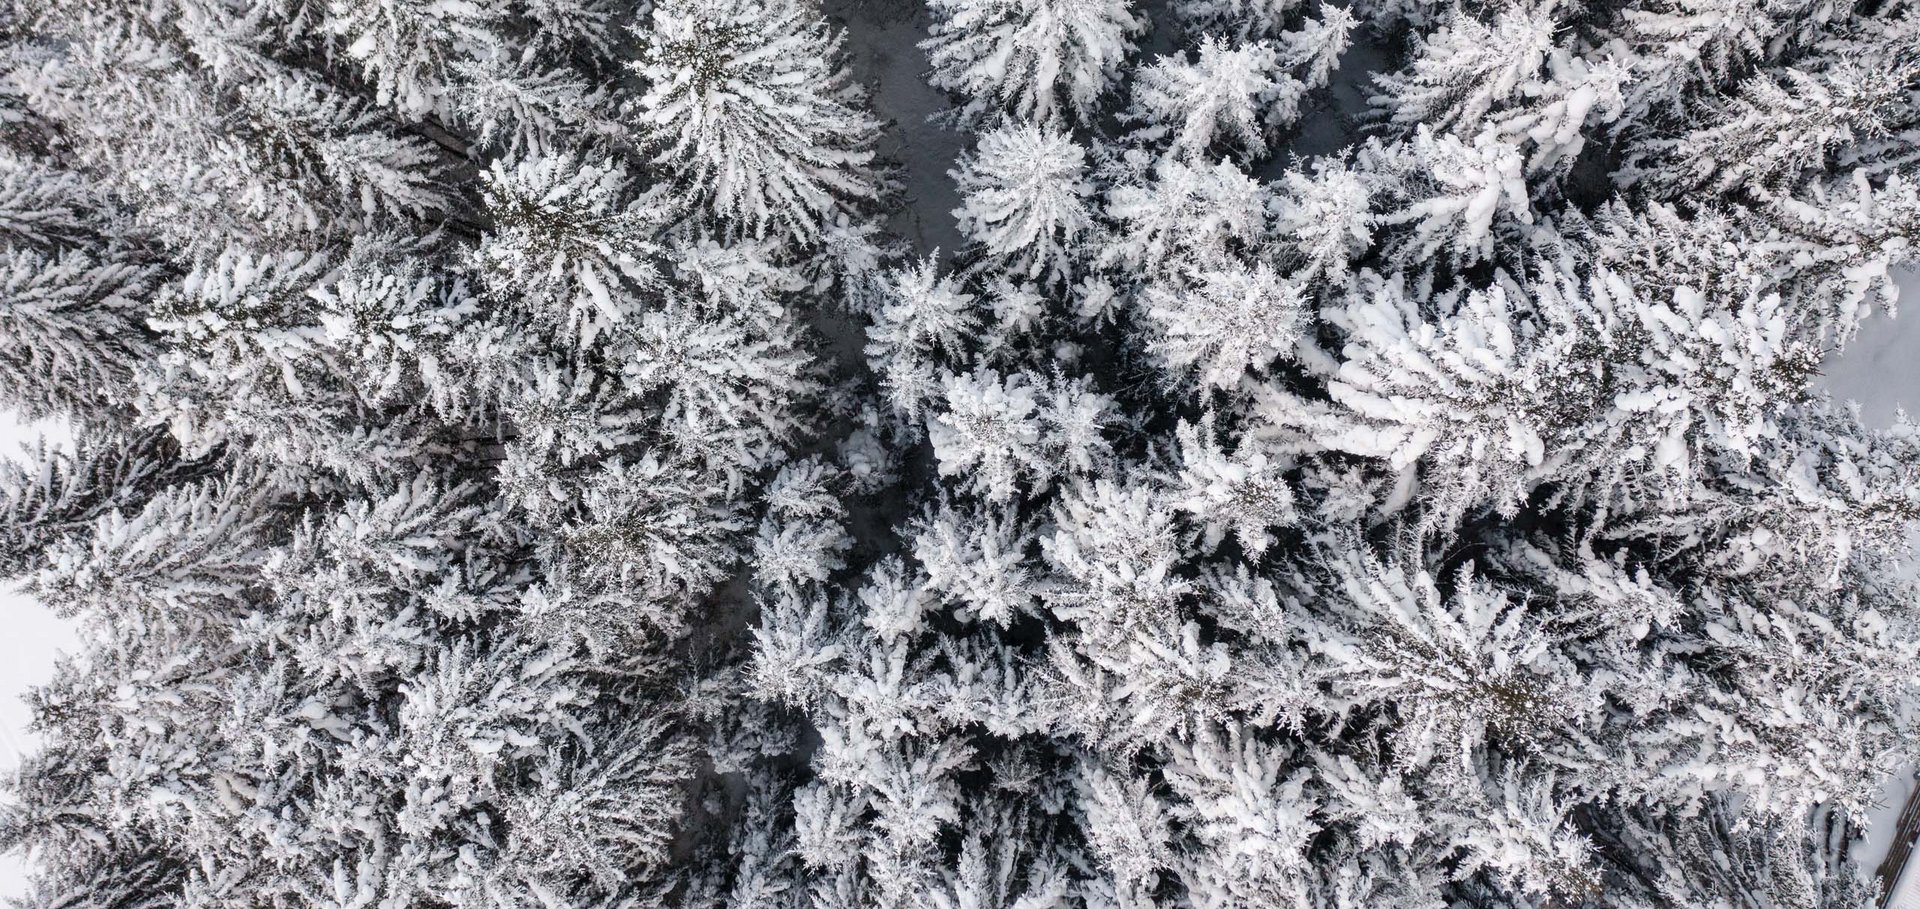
{"points": [[1042, 454]]}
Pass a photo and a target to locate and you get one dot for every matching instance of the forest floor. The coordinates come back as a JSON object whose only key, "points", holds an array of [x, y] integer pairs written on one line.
{"points": [[883, 47]]}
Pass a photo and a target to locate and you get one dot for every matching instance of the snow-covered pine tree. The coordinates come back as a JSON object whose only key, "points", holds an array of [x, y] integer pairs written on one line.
{"points": [[1025, 200], [750, 106], [1044, 61], [57, 493]]}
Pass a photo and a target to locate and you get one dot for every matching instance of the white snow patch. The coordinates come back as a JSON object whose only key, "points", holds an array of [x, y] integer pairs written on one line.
{"points": [[1880, 369]]}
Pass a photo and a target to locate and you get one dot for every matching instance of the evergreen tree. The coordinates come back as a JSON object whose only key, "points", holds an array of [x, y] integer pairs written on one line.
{"points": [[1025, 200], [750, 106], [1043, 61]]}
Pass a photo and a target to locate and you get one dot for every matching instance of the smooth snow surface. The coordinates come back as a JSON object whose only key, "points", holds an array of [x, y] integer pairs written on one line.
{"points": [[30, 639], [1880, 370], [1907, 894]]}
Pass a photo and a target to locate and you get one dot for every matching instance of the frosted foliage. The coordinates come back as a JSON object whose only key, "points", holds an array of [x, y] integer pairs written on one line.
{"points": [[1045, 61], [1025, 198], [1225, 321], [979, 563], [1004, 432], [1466, 68], [1326, 215], [1237, 95], [715, 454], [41, 206], [921, 314], [1242, 19], [69, 321], [748, 104], [1244, 493], [1228, 93], [1780, 129], [394, 327], [567, 239], [339, 138], [525, 109], [406, 47], [1463, 190], [1316, 48], [1180, 212], [991, 425]]}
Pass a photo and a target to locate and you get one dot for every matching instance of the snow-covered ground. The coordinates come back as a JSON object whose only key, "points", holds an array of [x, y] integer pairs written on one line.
{"points": [[31, 638], [1881, 369], [883, 46]]}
